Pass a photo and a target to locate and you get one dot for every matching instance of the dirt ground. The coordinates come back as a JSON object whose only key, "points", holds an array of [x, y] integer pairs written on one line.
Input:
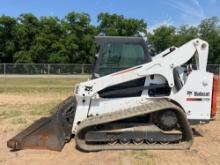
{"points": [[17, 110]]}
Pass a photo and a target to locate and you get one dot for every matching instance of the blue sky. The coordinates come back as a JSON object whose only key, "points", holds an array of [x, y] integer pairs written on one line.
{"points": [[155, 13]]}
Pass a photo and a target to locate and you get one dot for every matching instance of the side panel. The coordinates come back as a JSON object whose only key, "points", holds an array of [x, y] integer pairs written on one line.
{"points": [[108, 105], [196, 95], [102, 106]]}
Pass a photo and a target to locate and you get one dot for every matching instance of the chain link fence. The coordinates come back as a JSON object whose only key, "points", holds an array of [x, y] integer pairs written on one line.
{"points": [[45, 69], [26, 76], [52, 75], [62, 69]]}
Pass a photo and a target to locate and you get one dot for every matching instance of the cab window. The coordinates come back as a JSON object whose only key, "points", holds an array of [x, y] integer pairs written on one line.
{"points": [[118, 56]]}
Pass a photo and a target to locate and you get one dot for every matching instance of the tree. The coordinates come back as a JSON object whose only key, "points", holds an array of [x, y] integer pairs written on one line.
{"points": [[117, 25], [162, 38], [209, 30], [79, 37], [23, 57], [26, 32], [48, 42], [7, 40], [184, 34], [29, 39]]}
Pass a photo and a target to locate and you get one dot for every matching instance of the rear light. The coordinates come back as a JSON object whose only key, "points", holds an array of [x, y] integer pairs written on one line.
{"points": [[214, 96]]}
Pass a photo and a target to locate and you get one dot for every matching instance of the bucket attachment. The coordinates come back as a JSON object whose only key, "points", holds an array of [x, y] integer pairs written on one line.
{"points": [[49, 132]]}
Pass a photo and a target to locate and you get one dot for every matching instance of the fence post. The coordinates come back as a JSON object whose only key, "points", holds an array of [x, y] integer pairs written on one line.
{"points": [[48, 69], [4, 65], [82, 72], [48, 75]]}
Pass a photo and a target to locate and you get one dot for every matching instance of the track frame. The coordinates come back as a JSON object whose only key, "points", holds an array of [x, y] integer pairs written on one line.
{"points": [[155, 105]]}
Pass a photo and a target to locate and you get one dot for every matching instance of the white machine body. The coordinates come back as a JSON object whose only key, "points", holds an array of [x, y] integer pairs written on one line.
{"points": [[194, 96]]}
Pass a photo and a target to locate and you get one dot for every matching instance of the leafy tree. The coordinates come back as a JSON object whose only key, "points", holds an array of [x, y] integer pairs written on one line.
{"points": [[209, 30], [184, 34], [7, 40], [23, 57], [79, 37], [29, 39], [117, 25], [162, 38], [48, 41], [26, 32]]}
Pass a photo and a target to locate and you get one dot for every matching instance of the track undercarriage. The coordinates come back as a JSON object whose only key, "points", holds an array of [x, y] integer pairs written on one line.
{"points": [[135, 134], [110, 131]]}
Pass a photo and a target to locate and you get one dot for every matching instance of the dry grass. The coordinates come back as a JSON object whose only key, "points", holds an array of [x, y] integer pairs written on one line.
{"points": [[22, 108], [21, 105]]}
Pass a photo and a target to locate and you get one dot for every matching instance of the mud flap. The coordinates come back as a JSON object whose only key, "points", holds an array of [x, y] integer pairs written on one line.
{"points": [[49, 132]]}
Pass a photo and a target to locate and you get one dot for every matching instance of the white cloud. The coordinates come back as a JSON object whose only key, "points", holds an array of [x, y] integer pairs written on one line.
{"points": [[167, 22], [196, 3], [191, 10]]}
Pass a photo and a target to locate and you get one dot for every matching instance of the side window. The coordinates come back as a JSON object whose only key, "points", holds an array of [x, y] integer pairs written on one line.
{"points": [[126, 85], [110, 55], [118, 56], [131, 55]]}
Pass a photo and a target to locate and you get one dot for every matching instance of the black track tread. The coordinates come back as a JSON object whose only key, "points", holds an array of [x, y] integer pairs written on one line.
{"points": [[154, 106]]}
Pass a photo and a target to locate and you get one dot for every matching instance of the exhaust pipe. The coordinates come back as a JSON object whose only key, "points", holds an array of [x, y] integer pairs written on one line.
{"points": [[49, 133]]}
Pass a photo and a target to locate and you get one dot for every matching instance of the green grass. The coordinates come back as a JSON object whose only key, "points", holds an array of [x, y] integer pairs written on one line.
{"points": [[32, 86], [13, 83]]}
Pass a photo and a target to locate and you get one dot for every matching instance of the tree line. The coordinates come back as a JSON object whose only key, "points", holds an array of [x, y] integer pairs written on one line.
{"points": [[49, 39]]}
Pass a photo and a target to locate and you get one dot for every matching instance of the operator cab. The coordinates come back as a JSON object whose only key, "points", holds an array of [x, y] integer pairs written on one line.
{"points": [[118, 53]]}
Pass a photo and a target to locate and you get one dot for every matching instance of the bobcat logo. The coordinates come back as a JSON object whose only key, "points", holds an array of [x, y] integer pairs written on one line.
{"points": [[189, 93]]}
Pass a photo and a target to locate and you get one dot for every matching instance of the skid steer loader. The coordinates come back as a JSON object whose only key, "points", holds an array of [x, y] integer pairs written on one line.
{"points": [[132, 101]]}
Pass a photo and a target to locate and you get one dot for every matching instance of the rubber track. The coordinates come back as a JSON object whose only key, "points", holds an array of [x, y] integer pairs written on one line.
{"points": [[154, 106]]}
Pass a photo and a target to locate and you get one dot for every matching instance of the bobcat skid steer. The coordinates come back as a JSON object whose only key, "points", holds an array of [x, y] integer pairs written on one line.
{"points": [[132, 101]]}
